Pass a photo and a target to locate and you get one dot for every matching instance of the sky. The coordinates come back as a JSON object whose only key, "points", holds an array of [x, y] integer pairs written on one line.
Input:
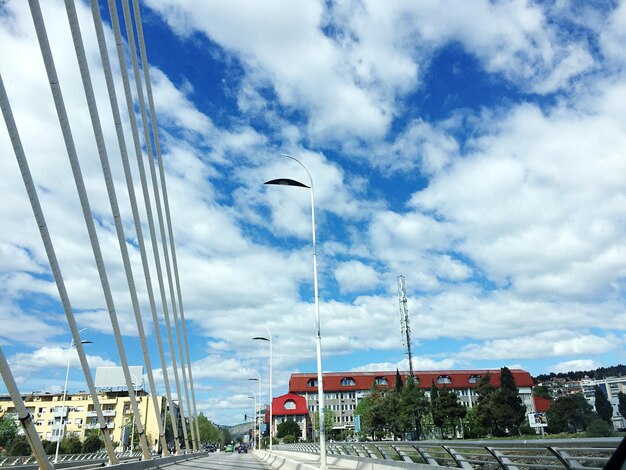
{"points": [[476, 148]]}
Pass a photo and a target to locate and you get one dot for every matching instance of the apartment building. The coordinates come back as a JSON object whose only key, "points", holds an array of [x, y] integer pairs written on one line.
{"points": [[52, 416], [343, 390], [610, 387]]}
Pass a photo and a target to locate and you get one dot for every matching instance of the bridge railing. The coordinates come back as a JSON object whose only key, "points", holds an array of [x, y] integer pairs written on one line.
{"points": [[590, 453]]}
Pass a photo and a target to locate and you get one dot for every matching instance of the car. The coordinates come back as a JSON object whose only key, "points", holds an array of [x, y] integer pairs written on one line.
{"points": [[229, 448], [243, 449]]}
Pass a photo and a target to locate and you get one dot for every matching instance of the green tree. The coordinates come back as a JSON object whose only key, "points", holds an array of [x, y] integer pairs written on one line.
{"points": [[71, 444], [621, 399], [570, 413], [414, 407], [603, 406], [288, 428], [372, 413], [542, 391], [397, 386], [484, 410], [8, 431], [92, 443], [446, 409], [329, 419], [508, 409], [49, 447], [392, 407], [19, 446], [599, 428], [208, 431]]}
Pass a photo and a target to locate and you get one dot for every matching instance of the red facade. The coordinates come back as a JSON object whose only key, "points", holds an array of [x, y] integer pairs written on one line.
{"points": [[351, 381]]}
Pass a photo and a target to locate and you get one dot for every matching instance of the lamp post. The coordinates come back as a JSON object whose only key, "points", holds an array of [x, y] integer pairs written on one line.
{"points": [[271, 342], [254, 396], [256, 410], [320, 383], [67, 375]]}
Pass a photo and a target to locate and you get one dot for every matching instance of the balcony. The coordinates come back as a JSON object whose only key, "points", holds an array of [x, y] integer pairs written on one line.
{"points": [[60, 412]]}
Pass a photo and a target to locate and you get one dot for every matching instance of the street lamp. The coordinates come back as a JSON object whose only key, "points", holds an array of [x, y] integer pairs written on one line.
{"points": [[271, 342], [320, 385], [256, 411], [67, 375]]}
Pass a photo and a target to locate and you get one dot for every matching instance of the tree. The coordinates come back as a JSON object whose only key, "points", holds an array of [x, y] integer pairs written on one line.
{"points": [[392, 405], [71, 444], [397, 386], [372, 413], [445, 408], [599, 428], [92, 443], [542, 391], [509, 411], [329, 418], [603, 406], [484, 412], [8, 431], [621, 399], [19, 446], [570, 413], [414, 407], [288, 428], [208, 431]]}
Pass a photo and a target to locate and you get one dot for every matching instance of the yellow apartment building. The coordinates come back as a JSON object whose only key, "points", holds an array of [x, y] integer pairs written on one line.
{"points": [[50, 414]]}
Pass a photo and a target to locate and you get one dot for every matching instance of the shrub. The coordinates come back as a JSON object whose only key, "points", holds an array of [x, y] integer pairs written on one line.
{"points": [[71, 444], [599, 428], [289, 439], [92, 444], [49, 447], [19, 446]]}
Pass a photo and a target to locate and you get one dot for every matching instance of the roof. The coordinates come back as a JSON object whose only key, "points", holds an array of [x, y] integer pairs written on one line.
{"points": [[541, 404], [300, 383], [297, 401]]}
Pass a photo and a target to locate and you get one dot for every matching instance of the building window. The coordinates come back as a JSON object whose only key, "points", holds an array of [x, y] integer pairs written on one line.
{"points": [[312, 383], [348, 382], [474, 379], [444, 379], [380, 381], [290, 405]]}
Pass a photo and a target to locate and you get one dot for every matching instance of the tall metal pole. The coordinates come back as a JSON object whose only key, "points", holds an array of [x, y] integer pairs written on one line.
{"points": [[254, 425], [320, 382], [67, 376], [271, 342], [256, 411]]}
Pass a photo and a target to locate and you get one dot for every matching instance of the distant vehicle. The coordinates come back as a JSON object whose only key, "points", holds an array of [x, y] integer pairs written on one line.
{"points": [[229, 448], [210, 448], [243, 449]]}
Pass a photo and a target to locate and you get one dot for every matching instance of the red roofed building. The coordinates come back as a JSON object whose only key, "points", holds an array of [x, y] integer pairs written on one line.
{"points": [[291, 407], [343, 390]]}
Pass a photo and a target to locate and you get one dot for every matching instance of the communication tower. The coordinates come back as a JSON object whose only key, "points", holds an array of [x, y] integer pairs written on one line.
{"points": [[405, 329]]}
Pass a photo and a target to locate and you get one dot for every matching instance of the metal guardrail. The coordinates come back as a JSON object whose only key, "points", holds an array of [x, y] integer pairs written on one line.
{"points": [[592, 453], [12, 461]]}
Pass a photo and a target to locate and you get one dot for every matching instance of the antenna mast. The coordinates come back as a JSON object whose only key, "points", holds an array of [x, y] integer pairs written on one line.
{"points": [[405, 329]]}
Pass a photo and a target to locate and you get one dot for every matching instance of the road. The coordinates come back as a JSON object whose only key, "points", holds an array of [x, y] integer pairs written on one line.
{"points": [[222, 460]]}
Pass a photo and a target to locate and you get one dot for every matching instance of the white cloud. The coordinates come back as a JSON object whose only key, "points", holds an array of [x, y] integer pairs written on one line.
{"points": [[355, 276], [575, 365], [547, 344]]}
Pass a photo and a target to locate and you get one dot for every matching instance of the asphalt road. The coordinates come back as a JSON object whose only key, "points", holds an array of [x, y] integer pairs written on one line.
{"points": [[222, 460]]}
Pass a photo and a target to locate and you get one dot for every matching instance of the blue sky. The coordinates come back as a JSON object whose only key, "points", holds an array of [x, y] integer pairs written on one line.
{"points": [[477, 148]]}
